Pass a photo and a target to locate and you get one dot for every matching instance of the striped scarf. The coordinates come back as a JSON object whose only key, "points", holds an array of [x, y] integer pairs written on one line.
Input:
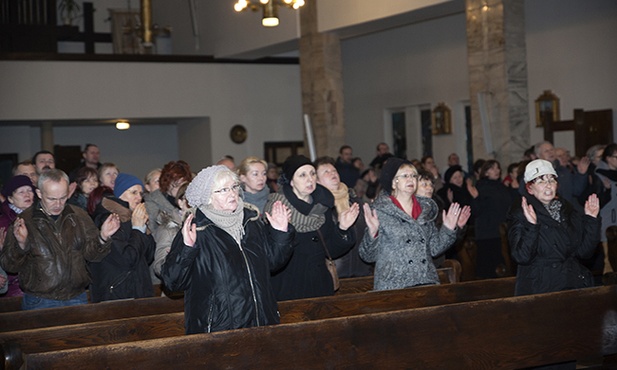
{"points": [[302, 222]]}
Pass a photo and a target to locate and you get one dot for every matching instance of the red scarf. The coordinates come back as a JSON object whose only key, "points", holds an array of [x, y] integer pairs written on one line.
{"points": [[416, 209]]}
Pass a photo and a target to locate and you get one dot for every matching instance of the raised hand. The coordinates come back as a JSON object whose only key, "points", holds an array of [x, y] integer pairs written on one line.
{"points": [[21, 232], [348, 217], [110, 226], [371, 219], [139, 217], [592, 206], [279, 218], [2, 237], [189, 231], [463, 217], [530, 213], [471, 188], [583, 165], [450, 218]]}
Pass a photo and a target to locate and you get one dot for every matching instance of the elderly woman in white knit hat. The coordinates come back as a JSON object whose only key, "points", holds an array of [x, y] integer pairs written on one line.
{"points": [[548, 236], [224, 254]]}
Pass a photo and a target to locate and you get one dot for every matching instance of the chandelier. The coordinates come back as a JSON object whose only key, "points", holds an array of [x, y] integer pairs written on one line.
{"points": [[269, 8]]}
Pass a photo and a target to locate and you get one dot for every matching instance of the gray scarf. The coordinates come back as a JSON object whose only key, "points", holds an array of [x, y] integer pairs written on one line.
{"points": [[229, 221]]}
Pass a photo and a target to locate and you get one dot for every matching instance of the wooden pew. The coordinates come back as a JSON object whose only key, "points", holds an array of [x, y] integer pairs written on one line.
{"points": [[22, 320], [504, 333], [18, 320], [8, 304], [172, 324], [348, 285]]}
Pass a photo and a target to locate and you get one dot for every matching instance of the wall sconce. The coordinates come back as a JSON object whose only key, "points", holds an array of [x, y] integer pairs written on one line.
{"points": [[123, 125]]}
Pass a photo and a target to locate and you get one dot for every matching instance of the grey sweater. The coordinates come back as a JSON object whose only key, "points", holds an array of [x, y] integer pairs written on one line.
{"points": [[404, 247]]}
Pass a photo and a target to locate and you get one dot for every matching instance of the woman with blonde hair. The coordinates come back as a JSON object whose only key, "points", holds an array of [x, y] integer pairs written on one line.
{"points": [[253, 175], [404, 239]]}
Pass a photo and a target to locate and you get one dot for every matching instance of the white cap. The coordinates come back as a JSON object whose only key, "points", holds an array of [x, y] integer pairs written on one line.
{"points": [[537, 168]]}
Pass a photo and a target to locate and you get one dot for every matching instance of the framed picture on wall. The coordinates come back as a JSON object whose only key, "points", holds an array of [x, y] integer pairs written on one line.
{"points": [[547, 108], [277, 151], [442, 119]]}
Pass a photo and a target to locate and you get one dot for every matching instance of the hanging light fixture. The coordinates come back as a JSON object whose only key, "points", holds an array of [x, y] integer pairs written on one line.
{"points": [[123, 125], [269, 8]]}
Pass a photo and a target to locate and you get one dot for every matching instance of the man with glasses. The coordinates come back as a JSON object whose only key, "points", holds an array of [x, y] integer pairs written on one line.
{"points": [[50, 243]]}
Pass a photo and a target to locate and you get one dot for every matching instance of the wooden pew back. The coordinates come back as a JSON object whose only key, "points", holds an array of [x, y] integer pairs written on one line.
{"points": [[500, 333], [172, 324]]}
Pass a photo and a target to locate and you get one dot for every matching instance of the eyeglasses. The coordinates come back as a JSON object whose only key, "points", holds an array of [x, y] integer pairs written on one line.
{"points": [[408, 176], [545, 182], [235, 188]]}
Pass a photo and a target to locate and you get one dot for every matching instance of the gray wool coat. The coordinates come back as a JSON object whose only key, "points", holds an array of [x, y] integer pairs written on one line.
{"points": [[404, 248]]}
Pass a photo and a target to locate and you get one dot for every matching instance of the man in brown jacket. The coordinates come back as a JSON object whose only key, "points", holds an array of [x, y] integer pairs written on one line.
{"points": [[50, 243]]}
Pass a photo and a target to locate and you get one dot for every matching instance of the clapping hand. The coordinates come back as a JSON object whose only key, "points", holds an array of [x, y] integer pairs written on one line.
{"points": [[583, 165], [2, 237], [372, 221], [529, 212], [139, 217], [279, 218], [592, 206], [463, 217], [348, 217], [189, 231], [20, 231], [110, 226], [450, 218]]}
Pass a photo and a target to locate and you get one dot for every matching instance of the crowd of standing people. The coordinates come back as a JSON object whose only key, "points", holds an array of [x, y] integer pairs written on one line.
{"points": [[237, 240]]}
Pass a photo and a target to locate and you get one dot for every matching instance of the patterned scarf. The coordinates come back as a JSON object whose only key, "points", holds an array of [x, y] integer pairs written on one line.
{"points": [[341, 198], [554, 209], [303, 223], [229, 221]]}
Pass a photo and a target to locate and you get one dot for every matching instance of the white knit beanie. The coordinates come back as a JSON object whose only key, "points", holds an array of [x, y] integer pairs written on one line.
{"points": [[199, 191]]}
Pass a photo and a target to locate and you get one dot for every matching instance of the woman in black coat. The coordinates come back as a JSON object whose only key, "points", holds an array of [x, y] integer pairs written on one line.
{"points": [[224, 255], [305, 274], [124, 272], [490, 207], [548, 237]]}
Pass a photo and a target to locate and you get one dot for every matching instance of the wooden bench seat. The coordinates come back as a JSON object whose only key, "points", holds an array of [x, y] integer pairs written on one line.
{"points": [[503, 333], [172, 324]]}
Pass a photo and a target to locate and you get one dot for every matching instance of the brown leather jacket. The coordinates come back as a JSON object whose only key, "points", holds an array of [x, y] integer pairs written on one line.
{"points": [[53, 264]]}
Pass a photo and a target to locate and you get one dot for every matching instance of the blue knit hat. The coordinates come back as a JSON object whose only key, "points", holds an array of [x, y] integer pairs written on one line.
{"points": [[125, 181]]}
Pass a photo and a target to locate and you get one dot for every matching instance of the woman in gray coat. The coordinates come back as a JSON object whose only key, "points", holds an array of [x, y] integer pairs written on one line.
{"points": [[405, 239]]}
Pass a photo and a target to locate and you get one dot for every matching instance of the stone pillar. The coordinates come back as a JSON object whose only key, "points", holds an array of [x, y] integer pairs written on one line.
{"points": [[47, 136], [497, 60], [321, 82]]}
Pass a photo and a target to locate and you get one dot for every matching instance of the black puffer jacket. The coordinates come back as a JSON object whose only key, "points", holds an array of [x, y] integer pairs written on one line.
{"points": [[548, 252], [227, 286], [124, 272]]}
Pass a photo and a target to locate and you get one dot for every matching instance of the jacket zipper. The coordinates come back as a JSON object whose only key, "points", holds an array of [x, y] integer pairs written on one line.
{"points": [[248, 269]]}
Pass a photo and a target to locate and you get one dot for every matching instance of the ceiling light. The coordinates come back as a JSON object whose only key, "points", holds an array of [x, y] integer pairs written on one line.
{"points": [[269, 8], [123, 125]]}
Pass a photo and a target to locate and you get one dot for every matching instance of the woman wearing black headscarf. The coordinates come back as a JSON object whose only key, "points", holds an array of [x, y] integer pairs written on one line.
{"points": [[455, 189], [306, 275]]}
